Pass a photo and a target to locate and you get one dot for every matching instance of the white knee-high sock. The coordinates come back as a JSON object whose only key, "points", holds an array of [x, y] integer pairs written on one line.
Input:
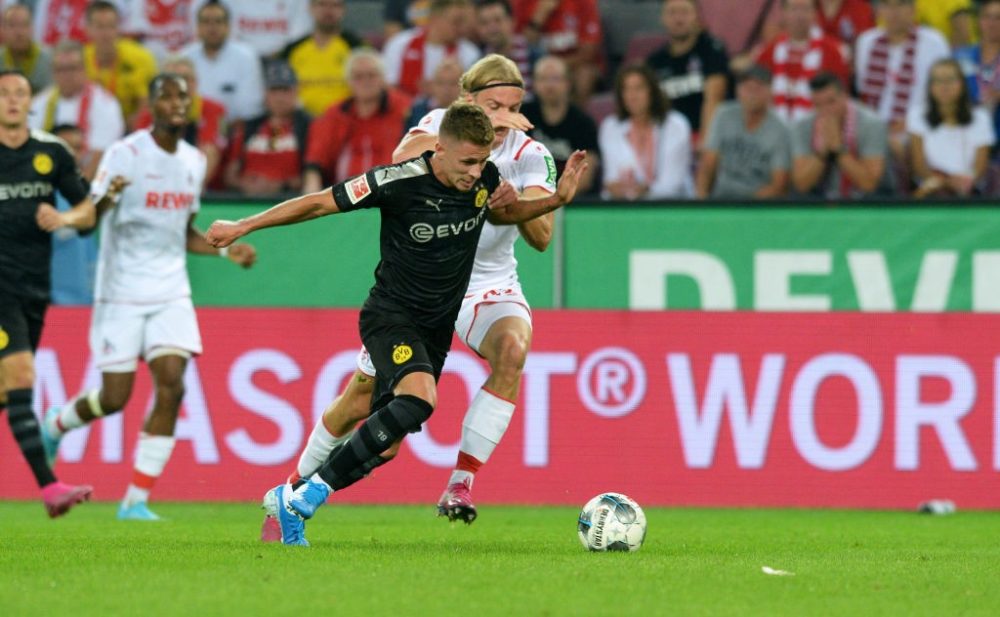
{"points": [[321, 442], [151, 457], [484, 425], [68, 418]]}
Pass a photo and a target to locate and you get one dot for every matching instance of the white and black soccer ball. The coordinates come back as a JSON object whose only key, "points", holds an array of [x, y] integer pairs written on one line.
{"points": [[612, 522]]}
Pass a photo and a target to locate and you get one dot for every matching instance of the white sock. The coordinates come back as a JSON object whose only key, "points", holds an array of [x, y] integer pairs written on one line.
{"points": [[460, 475], [67, 419], [150, 458], [484, 424], [321, 442]]}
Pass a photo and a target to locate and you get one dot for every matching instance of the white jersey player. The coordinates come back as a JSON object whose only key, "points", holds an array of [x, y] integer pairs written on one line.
{"points": [[495, 319], [147, 190]]}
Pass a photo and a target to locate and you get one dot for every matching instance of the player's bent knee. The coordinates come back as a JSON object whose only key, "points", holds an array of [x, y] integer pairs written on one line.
{"points": [[511, 353], [410, 412]]}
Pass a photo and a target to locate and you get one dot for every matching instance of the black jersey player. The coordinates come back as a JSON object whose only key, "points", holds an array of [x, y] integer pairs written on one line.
{"points": [[433, 209], [33, 166]]}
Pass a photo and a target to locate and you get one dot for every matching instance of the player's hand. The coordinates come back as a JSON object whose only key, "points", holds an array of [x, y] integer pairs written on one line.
{"points": [[116, 186], [223, 233], [504, 196], [575, 167], [243, 255], [48, 218], [502, 119]]}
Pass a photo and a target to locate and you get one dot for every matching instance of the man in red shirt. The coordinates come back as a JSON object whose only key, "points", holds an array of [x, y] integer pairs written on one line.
{"points": [[570, 29], [844, 19], [267, 151], [796, 55], [359, 133]]}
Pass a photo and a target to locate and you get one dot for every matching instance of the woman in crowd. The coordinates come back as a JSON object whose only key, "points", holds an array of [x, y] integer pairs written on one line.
{"points": [[950, 139], [645, 146]]}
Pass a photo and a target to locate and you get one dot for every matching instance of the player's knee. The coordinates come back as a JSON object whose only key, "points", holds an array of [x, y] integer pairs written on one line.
{"points": [[510, 355], [18, 372], [113, 400], [410, 412], [171, 392]]}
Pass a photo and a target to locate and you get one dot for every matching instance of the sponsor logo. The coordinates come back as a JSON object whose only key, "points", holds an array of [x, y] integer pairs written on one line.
{"points": [[425, 232], [4, 339], [42, 163], [169, 200], [358, 189], [401, 353], [25, 190], [481, 197], [550, 164]]}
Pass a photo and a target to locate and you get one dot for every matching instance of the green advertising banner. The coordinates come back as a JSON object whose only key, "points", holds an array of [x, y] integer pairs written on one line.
{"points": [[809, 258], [328, 262]]}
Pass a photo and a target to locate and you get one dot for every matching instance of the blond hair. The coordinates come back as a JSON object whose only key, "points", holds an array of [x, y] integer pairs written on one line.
{"points": [[492, 68], [468, 123]]}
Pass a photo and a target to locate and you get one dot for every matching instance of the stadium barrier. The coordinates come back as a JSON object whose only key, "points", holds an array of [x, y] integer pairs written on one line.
{"points": [[840, 409]]}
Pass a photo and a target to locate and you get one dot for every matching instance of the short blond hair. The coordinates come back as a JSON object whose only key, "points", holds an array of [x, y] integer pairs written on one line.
{"points": [[490, 69], [468, 123]]}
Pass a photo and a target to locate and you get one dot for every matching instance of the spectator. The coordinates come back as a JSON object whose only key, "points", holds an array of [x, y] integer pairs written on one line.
{"points": [[645, 146], [840, 150], [443, 88], [495, 31], [747, 154], [949, 17], [74, 99], [359, 133], [844, 19], [892, 64], [559, 124], [206, 129], [319, 59], [164, 26], [228, 71], [570, 29], [121, 66], [20, 51], [266, 26], [267, 152], [74, 257], [950, 140], [60, 20], [692, 67], [402, 15], [411, 56], [981, 63], [796, 55]]}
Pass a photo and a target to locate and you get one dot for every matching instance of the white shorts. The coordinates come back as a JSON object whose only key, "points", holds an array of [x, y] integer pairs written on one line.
{"points": [[120, 334], [480, 310]]}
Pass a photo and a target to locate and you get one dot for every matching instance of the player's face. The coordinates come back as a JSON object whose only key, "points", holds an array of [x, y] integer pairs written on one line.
{"points": [[462, 162], [15, 101], [170, 104], [492, 100]]}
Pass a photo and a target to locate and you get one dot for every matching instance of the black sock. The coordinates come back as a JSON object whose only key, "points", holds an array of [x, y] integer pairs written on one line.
{"points": [[24, 425], [357, 457]]}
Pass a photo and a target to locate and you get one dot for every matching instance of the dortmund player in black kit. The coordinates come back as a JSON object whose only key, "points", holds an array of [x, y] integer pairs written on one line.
{"points": [[33, 165], [433, 210]]}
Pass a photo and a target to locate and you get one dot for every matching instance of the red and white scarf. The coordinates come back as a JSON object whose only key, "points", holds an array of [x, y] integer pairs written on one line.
{"points": [[877, 75], [411, 73], [793, 66], [850, 141]]}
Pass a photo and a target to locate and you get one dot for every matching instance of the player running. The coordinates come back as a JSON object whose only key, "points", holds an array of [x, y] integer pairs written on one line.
{"points": [[495, 318], [35, 165], [433, 212], [149, 185]]}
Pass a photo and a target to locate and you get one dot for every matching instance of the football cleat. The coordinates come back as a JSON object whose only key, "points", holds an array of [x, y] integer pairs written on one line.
{"points": [[456, 503], [59, 497], [270, 529], [138, 511], [291, 525], [308, 498], [50, 441]]}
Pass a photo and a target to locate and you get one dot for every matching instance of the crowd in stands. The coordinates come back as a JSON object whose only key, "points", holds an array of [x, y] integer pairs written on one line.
{"points": [[833, 99]]}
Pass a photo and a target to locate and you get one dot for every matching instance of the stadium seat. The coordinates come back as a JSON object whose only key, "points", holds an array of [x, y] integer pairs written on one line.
{"points": [[600, 106], [641, 45]]}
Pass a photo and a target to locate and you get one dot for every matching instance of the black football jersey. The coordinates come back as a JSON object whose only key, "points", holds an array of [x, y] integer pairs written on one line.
{"points": [[29, 176], [428, 236]]}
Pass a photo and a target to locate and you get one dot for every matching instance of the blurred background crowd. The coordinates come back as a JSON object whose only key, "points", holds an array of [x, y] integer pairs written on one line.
{"points": [[672, 99]]}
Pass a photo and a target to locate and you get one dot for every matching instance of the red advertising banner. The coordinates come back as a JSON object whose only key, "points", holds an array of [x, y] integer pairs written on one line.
{"points": [[672, 408]]}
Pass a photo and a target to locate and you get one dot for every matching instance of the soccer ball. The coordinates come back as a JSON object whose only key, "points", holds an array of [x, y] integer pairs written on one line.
{"points": [[612, 522]]}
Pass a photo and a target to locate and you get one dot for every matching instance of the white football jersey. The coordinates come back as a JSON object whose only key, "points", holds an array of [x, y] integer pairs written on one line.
{"points": [[524, 163], [143, 254]]}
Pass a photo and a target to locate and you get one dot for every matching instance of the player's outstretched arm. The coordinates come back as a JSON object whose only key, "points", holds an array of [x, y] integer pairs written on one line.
{"points": [[82, 216], [527, 209], [307, 207], [241, 254]]}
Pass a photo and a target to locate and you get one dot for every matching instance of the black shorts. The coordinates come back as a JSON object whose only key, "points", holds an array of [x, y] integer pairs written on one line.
{"points": [[398, 346], [21, 322]]}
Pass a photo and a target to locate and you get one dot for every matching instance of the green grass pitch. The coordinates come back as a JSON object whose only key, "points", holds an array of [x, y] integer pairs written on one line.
{"points": [[401, 560]]}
